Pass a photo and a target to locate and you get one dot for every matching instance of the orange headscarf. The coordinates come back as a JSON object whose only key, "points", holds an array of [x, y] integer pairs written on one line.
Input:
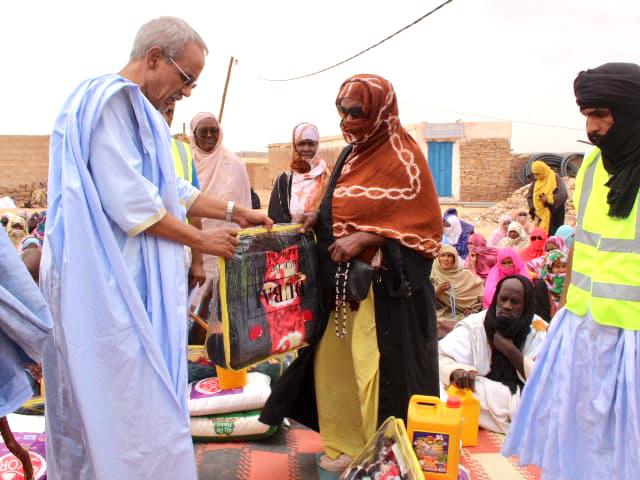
{"points": [[385, 186]]}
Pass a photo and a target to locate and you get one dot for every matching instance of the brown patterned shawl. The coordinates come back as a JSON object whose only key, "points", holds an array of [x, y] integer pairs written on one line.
{"points": [[386, 186]]}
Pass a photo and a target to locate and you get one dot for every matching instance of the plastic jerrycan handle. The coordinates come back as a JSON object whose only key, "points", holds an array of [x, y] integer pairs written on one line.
{"points": [[461, 393], [425, 402]]}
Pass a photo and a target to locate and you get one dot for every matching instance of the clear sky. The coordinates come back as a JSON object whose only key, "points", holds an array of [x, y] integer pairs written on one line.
{"points": [[512, 59]]}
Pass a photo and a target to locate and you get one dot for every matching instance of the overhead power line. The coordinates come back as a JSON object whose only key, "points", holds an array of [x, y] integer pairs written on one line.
{"points": [[362, 51], [524, 122]]}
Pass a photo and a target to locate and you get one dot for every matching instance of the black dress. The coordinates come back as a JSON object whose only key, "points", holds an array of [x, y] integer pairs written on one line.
{"points": [[406, 330], [281, 198]]}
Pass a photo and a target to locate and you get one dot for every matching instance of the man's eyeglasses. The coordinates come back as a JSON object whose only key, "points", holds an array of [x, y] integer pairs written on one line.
{"points": [[188, 80], [353, 112], [537, 238], [205, 132]]}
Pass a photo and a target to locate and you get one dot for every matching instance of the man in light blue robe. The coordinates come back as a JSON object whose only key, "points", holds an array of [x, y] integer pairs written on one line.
{"points": [[25, 324], [113, 268]]}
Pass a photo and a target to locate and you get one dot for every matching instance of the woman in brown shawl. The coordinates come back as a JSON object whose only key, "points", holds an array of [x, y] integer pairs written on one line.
{"points": [[381, 208]]}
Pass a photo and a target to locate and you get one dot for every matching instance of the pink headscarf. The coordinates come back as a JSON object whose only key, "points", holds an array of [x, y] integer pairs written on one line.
{"points": [[558, 242], [486, 257], [498, 272], [500, 232]]}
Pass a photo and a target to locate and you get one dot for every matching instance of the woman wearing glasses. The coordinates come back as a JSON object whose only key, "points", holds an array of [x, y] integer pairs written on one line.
{"points": [[300, 189], [222, 175], [378, 227]]}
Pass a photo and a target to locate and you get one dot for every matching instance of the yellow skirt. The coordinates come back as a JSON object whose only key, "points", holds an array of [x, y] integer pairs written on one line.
{"points": [[347, 380]]}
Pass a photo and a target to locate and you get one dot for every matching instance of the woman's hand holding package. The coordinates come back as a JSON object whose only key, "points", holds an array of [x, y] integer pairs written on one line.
{"points": [[308, 220]]}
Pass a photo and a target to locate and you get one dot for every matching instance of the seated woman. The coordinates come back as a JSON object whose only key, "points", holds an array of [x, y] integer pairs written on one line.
{"points": [[456, 232], [553, 243], [536, 247], [553, 273], [481, 257], [501, 232], [457, 289], [300, 190], [493, 352], [522, 217], [567, 233], [508, 263], [516, 238]]}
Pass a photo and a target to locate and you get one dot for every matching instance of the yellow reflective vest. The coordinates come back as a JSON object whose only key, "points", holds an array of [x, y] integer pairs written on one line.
{"points": [[182, 160], [605, 276]]}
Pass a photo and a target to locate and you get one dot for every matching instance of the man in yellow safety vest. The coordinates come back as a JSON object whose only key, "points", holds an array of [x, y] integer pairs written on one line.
{"points": [[580, 411], [185, 169]]}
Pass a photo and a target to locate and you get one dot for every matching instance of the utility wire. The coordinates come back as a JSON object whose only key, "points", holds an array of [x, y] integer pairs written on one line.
{"points": [[524, 122], [361, 52]]}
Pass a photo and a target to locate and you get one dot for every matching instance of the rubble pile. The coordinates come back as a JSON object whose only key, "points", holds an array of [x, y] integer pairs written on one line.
{"points": [[518, 202]]}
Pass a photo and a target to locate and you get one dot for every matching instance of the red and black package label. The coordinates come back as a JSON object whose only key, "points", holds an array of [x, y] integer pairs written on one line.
{"points": [[271, 297]]}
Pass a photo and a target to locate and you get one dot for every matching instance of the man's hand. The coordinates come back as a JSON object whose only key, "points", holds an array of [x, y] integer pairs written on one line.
{"points": [[220, 242], [197, 274], [463, 379], [443, 287], [509, 350], [247, 217], [308, 220], [503, 344]]}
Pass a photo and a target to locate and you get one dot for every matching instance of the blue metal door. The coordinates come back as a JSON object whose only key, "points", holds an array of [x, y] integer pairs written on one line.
{"points": [[440, 154]]}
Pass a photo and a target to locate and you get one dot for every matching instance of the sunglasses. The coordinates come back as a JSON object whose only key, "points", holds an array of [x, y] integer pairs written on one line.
{"points": [[537, 238], [189, 81], [205, 132], [353, 112]]}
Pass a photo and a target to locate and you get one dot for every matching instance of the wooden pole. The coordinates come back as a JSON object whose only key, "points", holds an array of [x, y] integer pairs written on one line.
{"points": [[15, 448], [226, 86]]}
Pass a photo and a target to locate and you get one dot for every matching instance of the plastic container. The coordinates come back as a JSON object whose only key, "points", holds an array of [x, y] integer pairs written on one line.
{"points": [[230, 379], [470, 414], [434, 432]]}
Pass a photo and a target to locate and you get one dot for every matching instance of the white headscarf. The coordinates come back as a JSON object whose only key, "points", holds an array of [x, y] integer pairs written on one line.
{"points": [[304, 186], [453, 232]]}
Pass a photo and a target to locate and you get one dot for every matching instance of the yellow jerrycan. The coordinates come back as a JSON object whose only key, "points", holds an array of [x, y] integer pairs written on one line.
{"points": [[434, 431], [470, 414]]}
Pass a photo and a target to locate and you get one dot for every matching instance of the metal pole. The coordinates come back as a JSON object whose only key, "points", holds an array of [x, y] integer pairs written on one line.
{"points": [[226, 86]]}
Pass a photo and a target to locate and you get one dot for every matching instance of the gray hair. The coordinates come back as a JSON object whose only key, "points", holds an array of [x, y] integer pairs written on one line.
{"points": [[169, 33]]}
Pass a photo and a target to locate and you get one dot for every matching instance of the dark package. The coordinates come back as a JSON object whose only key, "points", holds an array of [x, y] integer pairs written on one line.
{"points": [[268, 297]]}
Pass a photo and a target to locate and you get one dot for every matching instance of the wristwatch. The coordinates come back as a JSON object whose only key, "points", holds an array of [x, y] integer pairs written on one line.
{"points": [[229, 215]]}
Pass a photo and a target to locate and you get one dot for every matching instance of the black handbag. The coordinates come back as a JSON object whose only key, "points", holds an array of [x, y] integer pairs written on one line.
{"points": [[357, 275], [353, 280]]}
